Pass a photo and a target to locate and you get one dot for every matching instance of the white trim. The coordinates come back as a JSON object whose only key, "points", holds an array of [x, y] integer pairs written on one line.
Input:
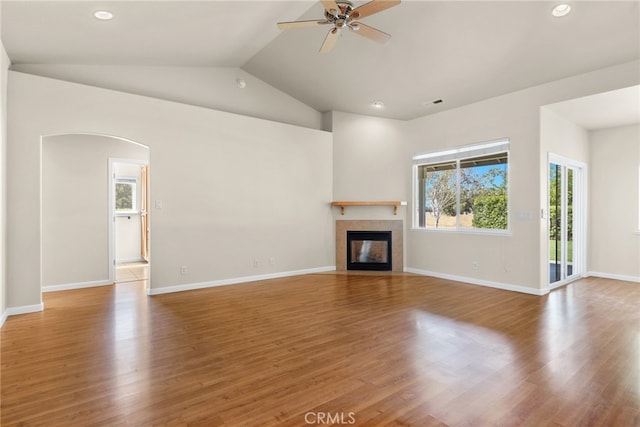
{"points": [[112, 233], [477, 231], [463, 151], [65, 287], [623, 277], [561, 283], [565, 161], [125, 260], [473, 281], [236, 280], [25, 309], [3, 318], [97, 134]]}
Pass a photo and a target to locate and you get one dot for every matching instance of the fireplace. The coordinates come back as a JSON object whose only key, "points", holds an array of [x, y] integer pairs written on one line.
{"points": [[393, 228], [369, 250]]}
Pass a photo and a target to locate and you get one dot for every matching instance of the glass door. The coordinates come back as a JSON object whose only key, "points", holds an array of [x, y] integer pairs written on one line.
{"points": [[565, 227]]}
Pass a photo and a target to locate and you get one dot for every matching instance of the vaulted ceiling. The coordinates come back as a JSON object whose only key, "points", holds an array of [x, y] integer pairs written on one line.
{"points": [[457, 51]]}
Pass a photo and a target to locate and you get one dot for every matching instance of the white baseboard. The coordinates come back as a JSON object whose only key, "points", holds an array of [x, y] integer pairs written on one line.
{"points": [[25, 309], [3, 318], [614, 276], [127, 260], [235, 280], [55, 288], [473, 281]]}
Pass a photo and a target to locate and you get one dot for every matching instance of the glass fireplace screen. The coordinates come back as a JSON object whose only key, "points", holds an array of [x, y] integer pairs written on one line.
{"points": [[369, 250]]}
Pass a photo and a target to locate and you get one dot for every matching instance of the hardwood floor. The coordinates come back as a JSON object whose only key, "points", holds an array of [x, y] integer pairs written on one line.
{"points": [[357, 349]]}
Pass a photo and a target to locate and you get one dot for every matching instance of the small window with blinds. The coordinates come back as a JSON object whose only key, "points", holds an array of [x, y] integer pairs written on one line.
{"points": [[464, 188]]}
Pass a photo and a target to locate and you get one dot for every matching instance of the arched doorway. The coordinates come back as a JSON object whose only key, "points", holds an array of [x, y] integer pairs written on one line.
{"points": [[78, 243]]}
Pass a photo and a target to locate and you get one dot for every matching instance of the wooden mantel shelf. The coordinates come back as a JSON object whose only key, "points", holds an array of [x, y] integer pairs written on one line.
{"points": [[395, 205]]}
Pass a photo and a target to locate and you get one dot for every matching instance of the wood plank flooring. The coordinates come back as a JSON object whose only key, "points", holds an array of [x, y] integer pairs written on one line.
{"points": [[327, 348]]}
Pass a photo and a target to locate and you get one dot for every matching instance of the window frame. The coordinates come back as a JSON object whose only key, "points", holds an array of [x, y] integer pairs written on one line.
{"points": [[638, 195], [458, 155], [133, 182]]}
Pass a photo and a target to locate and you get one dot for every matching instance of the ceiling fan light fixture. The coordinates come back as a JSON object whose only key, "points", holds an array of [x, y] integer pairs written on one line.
{"points": [[341, 14], [561, 10], [103, 15]]}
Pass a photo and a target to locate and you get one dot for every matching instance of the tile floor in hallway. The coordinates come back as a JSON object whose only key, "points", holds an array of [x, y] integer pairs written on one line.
{"points": [[132, 272]]}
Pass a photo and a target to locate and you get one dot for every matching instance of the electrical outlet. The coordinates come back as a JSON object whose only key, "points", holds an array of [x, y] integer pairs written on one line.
{"points": [[272, 260], [184, 270], [256, 263], [474, 265]]}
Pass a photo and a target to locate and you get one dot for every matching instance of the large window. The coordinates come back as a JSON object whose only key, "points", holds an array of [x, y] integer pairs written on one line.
{"points": [[464, 188]]}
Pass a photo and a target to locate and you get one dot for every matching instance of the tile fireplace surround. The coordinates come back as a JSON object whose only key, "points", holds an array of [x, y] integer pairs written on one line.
{"points": [[395, 226]]}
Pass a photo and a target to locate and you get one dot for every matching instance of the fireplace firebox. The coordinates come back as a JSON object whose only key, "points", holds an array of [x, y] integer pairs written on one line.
{"points": [[369, 250]]}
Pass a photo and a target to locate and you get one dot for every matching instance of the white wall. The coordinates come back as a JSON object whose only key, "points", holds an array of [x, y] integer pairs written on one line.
{"points": [[234, 189], [372, 155], [614, 245], [367, 154], [75, 206], [4, 67], [512, 261], [208, 87], [563, 137]]}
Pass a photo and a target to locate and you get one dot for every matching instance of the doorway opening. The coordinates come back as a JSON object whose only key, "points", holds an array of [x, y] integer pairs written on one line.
{"points": [[129, 220], [78, 246], [566, 228]]}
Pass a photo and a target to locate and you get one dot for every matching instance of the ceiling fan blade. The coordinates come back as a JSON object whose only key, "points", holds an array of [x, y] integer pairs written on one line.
{"points": [[330, 4], [370, 32], [372, 7], [301, 24], [330, 40]]}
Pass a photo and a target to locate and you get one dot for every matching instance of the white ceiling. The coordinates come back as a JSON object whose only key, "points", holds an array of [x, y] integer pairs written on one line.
{"points": [[458, 51], [604, 110], [181, 33]]}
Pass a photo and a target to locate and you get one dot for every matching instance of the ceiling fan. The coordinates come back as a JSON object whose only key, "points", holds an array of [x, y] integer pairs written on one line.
{"points": [[341, 15]]}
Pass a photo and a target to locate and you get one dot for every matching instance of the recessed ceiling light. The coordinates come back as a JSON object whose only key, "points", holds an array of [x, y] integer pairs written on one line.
{"points": [[103, 15], [378, 104], [560, 10], [241, 83]]}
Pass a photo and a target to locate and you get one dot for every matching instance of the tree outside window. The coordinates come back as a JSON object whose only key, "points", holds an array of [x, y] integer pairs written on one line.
{"points": [[465, 193], [125, 195]]}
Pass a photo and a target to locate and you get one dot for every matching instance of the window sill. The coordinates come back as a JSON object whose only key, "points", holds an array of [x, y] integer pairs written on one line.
{"points": [[499, 233]]}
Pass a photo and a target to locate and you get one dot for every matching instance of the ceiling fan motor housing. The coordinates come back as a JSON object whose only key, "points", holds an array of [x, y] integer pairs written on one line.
{"points": [[340, 17]]}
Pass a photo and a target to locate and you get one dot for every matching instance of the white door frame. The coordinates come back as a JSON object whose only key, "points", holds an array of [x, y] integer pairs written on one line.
{"points": [[112, 211], [579, 220]]}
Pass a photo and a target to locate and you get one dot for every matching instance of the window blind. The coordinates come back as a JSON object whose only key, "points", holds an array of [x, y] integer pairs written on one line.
{"points": [[464, 152]]}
